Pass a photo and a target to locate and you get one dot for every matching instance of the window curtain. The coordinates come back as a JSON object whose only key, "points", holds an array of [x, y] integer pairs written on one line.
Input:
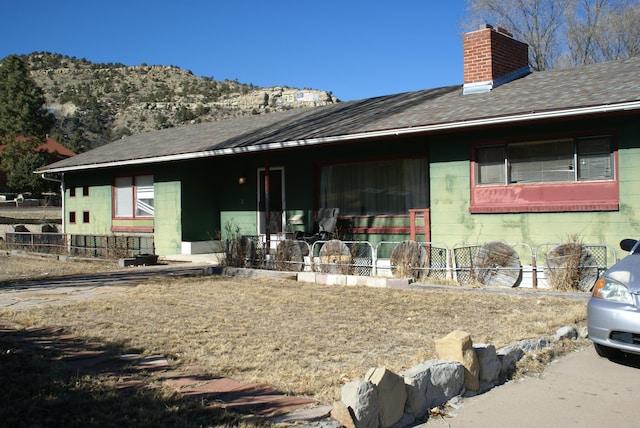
{"points": [[375, 188]]}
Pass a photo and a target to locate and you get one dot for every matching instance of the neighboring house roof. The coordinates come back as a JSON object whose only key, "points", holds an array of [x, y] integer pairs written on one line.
{"points": [[594, 89], [51, 146]]}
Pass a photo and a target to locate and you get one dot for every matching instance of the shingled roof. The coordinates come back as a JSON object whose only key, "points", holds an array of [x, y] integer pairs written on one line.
{"points": [[594, 89]]}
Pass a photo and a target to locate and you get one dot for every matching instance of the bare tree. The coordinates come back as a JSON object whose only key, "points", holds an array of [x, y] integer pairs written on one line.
{"points": [[563, 33], [603, 30]]}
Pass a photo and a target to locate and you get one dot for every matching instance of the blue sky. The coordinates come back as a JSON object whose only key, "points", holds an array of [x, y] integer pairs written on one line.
{"points": [[356, 49]]}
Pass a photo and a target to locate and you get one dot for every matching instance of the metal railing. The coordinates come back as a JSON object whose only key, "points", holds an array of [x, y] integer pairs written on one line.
{"points": [[102, 246]]}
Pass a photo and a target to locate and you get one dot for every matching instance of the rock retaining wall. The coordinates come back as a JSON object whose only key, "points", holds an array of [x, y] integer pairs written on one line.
{"points": [[385, 399]]}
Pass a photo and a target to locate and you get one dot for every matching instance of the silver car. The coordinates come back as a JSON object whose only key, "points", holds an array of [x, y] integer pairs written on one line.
{"points": [[613, 312]]}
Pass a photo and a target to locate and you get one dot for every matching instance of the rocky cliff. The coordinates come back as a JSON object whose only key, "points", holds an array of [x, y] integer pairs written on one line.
{"points": [[98, 103]]}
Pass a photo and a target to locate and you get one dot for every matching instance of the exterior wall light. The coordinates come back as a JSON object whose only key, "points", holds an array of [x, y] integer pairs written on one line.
{"points": [[242, 180]]}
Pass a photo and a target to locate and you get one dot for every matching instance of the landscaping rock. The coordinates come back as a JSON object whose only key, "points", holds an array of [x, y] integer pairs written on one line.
{"points": [[457, 346], [567, 332], [343, 414], [432, 384], [392, 395], [508, 357], [583, 332], [527, 345], [361, 398], [490, 365]]}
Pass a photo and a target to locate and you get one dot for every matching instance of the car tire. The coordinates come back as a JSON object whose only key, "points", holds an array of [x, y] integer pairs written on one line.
{"points": [[605, 351]]}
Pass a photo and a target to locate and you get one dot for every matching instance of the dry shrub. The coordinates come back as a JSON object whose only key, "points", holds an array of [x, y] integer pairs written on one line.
{"points": [[242, 252], [571, 266], [290, 255], [407, 258]]}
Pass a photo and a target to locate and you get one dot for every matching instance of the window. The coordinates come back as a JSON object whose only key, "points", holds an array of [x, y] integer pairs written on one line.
{"points": [[566, 160], [85, 216], [133, 196], [387, 187], [568, 174], [85, 190], [72, 216], [72, 192]]}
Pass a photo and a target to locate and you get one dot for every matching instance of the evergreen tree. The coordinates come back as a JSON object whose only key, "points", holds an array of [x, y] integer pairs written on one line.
{"points": [[22, 115], [21, 102]]}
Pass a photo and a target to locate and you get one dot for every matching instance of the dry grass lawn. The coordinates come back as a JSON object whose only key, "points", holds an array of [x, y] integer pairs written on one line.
{"points": [[305, 339]]}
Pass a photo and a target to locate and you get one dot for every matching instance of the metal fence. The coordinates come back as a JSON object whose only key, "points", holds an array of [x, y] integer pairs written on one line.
{"points": [[581, 264], [49, 243], [348, 257], [430, 261], [490, 263], [487, 263], [103, 246]]}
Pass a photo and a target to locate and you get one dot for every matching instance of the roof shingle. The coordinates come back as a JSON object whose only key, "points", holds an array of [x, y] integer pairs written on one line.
{"points": [[603, 84]]}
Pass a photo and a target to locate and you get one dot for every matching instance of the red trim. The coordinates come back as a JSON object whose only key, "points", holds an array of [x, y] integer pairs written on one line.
{"points": [[578, 196], [138, 229], [588, 196], [379, 230]]}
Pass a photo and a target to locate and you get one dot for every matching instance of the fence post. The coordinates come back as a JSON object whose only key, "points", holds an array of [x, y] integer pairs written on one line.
{"points": [[534, 271]]}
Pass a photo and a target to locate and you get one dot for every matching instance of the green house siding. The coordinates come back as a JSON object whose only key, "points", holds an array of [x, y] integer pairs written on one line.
{"points": [[97, 204], [202, 200], [238, 223], [167, 219], [452, 223]]}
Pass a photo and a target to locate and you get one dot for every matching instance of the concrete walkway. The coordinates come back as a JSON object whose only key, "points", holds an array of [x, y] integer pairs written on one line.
{"points": [[579, 389]]}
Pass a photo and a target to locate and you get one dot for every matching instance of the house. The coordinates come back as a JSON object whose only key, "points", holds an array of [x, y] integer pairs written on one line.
{"points": [[509, 155], [55, 152]]}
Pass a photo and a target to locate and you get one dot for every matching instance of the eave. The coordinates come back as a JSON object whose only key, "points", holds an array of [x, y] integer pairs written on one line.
{"points": [[404, 131]]}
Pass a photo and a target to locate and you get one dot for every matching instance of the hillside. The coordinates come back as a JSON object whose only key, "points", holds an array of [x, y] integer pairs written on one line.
{"points": [[98, 103]]}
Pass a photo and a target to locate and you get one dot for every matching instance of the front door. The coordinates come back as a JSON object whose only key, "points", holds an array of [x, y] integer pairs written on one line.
{"points": [[271, 195]]}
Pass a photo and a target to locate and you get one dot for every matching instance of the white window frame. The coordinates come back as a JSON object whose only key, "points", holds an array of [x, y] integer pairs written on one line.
{"points": [[133, 197]]}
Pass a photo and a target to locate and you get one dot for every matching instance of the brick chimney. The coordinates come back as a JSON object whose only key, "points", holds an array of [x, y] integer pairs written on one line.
{"points": [[492, 57]]}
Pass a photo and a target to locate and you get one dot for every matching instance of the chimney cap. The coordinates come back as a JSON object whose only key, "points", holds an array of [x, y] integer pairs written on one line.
{"points": [[504, 31]]}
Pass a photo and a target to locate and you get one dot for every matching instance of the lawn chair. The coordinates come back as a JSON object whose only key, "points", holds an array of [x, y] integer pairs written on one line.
{"points": [[324, 226]]}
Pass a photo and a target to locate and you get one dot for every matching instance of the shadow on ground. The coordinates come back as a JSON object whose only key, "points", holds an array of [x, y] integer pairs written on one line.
{"points": [[48, 378]]}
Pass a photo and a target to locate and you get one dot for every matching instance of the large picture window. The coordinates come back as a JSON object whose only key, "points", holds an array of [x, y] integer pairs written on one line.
{"points": [[386, 187], [133, 196], [565, 160]]}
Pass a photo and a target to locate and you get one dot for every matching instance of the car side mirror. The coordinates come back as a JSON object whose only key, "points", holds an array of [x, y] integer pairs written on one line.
{"points": [[628, 244]]}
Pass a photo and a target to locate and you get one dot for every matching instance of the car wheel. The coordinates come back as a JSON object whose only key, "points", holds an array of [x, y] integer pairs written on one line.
{"points": [[605, 351]]}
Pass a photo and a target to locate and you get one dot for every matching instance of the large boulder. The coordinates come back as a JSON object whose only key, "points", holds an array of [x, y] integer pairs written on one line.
{"points": [[392, 395], [490, 365], [432, 384], [361, 398], [457, 346]]}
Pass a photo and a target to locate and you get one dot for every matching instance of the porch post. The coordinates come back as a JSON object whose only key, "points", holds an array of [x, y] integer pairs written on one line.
{"points": [[267, 204]]}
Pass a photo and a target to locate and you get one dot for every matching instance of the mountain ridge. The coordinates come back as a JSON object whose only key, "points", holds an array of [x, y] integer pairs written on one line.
{"points": [[95, 103]]}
